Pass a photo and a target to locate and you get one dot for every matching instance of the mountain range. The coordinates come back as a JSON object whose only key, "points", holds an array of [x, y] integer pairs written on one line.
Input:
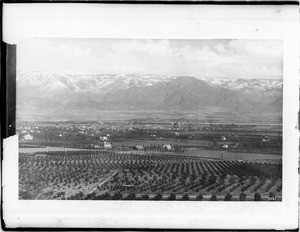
{"points": [[51, 92]]}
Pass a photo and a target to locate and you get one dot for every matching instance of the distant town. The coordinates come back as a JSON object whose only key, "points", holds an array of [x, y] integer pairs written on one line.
{"points": [[150, 159], [157, 135]]}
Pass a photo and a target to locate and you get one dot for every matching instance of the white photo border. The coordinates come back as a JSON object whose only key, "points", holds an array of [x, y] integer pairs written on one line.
{"points": [[278, 22]]}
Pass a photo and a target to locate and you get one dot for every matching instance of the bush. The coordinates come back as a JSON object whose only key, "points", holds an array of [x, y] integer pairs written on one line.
{"points": [[185, 197], [228, 197], [272, 196], [242, 197], [199, 197], [90, 196], [157, 197], [172, 197], [117, 196], [257, 197], [104, 196], [213, 198], [131, 196], [144, 197]]}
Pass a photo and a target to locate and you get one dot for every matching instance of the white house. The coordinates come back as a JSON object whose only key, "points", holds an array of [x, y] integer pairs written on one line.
{"points": [[107, 145], [225, 146], [28, 137], [138, 147], [167, 146], [104, 138]]}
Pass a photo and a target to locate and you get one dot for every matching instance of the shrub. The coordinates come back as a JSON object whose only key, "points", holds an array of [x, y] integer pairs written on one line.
{"points": [[117, 196], [131, 196], [272, 196], [104, 196], [242, 197], [185, 197], [228, 197], [157, 197], [199, 197], [144, 197], [172, 197], [213, 198], [257, 197]]}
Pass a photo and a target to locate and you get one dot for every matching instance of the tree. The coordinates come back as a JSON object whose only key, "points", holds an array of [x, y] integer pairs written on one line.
{"points": [[157, 197], [131, 196], [104, 196], [212, 179], [257, 197], [144, 197], [80, 194], [228, 197], [199, 197], [213, 198], [172, 197], [90, 196], [242, 197], [185, 197], [272, 196], [117, 196]]}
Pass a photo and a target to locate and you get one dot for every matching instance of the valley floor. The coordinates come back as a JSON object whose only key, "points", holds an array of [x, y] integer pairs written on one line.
{"points": [[113, 175]]}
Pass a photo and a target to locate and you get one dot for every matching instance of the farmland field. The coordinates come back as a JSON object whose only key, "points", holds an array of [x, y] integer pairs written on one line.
{"points": [[142, 161], [109, 175]]}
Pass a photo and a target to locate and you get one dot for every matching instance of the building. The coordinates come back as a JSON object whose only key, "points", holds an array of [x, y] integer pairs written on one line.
{"points": [[28, 137], [138, 147], [225, 146], [223, 138], [107, 145], [104, 138], [167, 147]]}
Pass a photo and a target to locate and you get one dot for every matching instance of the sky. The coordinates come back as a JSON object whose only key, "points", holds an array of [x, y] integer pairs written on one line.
{"points": [[248, 59]]}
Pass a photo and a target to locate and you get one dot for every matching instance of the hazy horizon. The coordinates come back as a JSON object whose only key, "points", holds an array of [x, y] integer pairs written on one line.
{"points": [[233, 59]]}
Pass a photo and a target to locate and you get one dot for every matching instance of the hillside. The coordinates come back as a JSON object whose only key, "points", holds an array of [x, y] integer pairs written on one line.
{"points": [[49, 93]]}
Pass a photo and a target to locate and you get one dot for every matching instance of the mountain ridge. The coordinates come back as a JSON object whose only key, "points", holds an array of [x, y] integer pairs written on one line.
{"points": [[49, 92]]}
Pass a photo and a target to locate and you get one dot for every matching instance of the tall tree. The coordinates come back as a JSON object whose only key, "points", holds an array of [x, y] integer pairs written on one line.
{"points": [[242, 197], [213, 198], [228, 197], [257, 197]]}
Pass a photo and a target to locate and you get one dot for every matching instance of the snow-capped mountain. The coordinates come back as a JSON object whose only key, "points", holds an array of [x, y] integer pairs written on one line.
{"points": [[108, 82], [51, 92], [232, 83], [95, 83]]}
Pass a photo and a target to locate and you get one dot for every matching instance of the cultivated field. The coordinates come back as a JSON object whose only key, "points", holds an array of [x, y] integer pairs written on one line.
{"points": [[151, 159], [141, 175]]}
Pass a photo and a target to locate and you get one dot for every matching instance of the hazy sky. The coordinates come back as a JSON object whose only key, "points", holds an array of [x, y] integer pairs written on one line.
{"points": [[200, 58]]}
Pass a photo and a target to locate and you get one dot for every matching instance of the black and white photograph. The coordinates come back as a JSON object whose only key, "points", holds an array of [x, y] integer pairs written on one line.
{"points": [[151, 116], [129, 119]]}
